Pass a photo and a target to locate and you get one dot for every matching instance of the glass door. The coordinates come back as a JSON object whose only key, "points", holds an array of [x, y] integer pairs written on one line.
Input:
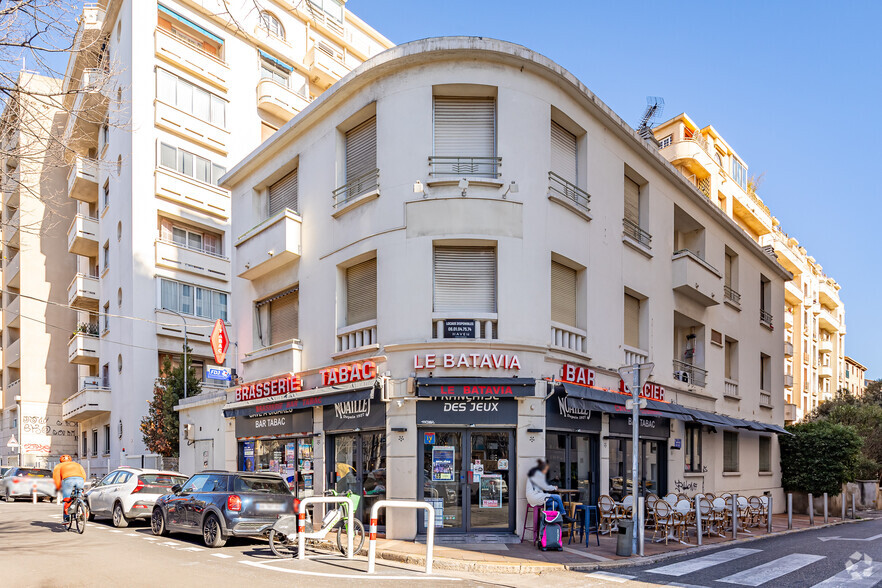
{"points": [[572, 461], [649, 468], [489, 480], [360, 467], [443, 479]]}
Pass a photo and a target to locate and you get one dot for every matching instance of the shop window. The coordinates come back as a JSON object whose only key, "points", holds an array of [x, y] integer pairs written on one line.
{"points": [[632, 321], [271, 24], [563, 294], [465, 136], [465, 280], [692, 448], [765, 454], [278, 318], [190, 237], [190, 98], [189, 32], [283, 195], [730, 452], [361, 292], [564, 154]]}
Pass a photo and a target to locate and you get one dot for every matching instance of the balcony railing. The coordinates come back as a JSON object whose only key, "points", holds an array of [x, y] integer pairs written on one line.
{"points": [[633, 356], [689, 374], [731, 295], [560, 187], [565, 337], [730, 388], [364, 184], [766, 317], [765, 399], [357, 336], [460, 165], [87, 329], [633, 230]]}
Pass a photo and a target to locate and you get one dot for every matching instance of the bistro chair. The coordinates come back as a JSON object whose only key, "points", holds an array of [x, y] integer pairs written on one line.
{"points": [[756, 511], [721, 514], [666, 521], [671, 499], [708, 517], [709, 496], [764, 500], [609, 513], [682, 496], [686, 514], [745, 514], [651, 499], [627, 507]]}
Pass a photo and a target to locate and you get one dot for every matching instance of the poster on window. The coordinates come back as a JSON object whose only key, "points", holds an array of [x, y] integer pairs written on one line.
{"points": [[491, 491], [442, 463], [438, 504], [290, 453], [248, 456]]}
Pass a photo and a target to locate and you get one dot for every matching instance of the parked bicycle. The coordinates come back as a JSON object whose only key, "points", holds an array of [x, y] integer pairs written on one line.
{"points": [[78, 511], [283, 538]]}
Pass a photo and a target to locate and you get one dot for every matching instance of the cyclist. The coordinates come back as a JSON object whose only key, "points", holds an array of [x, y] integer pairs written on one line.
{"points": [[68, 475]]}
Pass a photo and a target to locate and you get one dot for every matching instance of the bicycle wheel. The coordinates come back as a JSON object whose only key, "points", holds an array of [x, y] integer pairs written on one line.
{"points": [[280, 545], [357, 536], [79, 516], [70, 522]]}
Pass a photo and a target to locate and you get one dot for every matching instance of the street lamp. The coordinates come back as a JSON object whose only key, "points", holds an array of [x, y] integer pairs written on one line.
{"points": [[186, 371]]}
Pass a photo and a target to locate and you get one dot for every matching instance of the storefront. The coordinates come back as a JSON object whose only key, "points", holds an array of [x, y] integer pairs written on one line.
{"points": [[572, 439], [466, 451], [651, 455]]}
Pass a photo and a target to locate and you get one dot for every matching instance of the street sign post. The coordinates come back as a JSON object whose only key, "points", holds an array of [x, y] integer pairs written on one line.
{"points": [[220, 341], [12, 442]]}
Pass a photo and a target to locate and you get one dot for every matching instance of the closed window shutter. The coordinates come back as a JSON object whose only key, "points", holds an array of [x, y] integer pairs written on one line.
{"points": [[465, 279], [284, 318], [361, 150], [563, 153], [563, 294], [361, 292], [730, 451], [729, 261], [632, 321], [632, 201], [465, 127], [283, 194]]}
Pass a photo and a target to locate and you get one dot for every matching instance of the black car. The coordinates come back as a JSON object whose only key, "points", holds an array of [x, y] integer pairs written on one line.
{"points": [[219, 505]]}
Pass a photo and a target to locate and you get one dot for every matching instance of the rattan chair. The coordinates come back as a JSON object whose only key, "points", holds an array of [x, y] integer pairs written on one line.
{"points": [[666, 520], [609, 513]]}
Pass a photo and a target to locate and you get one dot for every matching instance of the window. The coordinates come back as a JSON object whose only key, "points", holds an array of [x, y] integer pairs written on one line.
{"points": [[563, 294], [765, 454], [275, 70], [106, 253], [634, 221], [85, 444], [195, 483], [731, 277], [94, 442], [739, 173], [361, 292], [765, 372], [107, 317], [730, 451], [332, 8], [190, 238], [193, 300], [765, 300], [119, 363], [361, 157], [106, 194], [105, 132], [465, 280], [665, 141], [118, 164], [692, 448], [632, 321], [731, 359], [281, 315], [189, 32], [271, 24], [190, 98], [190, 164], [283, 195], [465, 129], [564, 160], [106, 439]]}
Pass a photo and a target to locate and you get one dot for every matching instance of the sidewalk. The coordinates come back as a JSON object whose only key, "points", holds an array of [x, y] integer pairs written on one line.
{"points": [[519, 558]]}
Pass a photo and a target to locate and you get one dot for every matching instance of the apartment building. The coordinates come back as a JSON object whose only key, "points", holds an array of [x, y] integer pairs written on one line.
{"points": [[36, 375], [447, 289], [191, 90], [814, 316], [854, 381]]}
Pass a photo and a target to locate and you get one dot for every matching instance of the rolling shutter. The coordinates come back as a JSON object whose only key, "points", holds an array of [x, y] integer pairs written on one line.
{"points": [[465, 127], [361, 150], [563, 294], [728, 272], [361, 292], [632, 321], [284, 318], [563, 153], [465, 279], [283, 194], [632, 201]]}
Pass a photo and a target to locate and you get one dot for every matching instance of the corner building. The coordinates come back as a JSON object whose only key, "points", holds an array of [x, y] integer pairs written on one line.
{"points": [[452, 248]]}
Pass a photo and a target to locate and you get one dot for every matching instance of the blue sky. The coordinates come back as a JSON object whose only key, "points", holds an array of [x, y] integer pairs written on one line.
{"points": [[794, 87]]}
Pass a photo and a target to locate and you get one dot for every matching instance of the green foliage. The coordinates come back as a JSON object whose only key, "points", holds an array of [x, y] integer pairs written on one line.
{"points": [[819, 457], [160, 428], [867, 469], [865, 416]]}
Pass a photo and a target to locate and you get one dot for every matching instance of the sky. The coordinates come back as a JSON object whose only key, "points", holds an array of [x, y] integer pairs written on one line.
{"points": [[794, 87]]}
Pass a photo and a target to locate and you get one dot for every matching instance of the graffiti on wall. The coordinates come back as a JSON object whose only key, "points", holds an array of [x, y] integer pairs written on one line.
{"points": [[46, 434]]}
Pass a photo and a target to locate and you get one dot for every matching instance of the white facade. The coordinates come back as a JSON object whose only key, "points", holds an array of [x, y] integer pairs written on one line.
{"points": [[538, 227]]}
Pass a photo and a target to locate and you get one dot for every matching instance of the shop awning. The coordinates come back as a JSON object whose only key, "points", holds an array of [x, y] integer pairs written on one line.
{"points": [[324, 399], [475, 387]]}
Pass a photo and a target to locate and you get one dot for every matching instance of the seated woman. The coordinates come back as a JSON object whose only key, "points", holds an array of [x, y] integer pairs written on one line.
{"points": [[538, 490]]}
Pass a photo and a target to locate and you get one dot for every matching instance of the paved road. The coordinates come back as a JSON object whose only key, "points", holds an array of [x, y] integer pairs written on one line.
{"points": [[845, 555]]}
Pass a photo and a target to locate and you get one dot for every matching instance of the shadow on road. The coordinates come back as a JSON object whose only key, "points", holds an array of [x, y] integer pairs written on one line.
{"points": [[54, 527]]}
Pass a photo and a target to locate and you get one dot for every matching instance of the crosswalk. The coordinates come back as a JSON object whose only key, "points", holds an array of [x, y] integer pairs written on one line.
{"points": [[752, 568]]}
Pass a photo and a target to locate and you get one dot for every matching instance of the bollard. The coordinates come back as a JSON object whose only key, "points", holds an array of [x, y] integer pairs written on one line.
{"points": [[34, 493], [697, 517], [769, 514], [789, 511], [825, 508], [842, 517], [852, 506], [811, 509], [734, 516], [640, 523]]}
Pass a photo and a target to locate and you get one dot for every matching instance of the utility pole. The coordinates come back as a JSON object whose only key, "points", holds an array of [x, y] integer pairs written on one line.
{"points": [[639, 373], [186, 368]]}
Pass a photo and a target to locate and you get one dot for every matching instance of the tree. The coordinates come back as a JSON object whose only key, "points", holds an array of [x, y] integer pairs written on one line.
{"points": [[819, 457], [865, 417], [873, 392], [161, 427]]}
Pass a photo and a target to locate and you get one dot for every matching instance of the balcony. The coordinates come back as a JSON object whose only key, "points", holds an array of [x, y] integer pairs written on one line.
{"points": [[732, 297], [189, 127], [792, 293], [357, 338], [191, 59], [88, 31], [12, 229], [12, 313], [568, 338], [12, 270], [634, 355], [464, 166], [730, 388], [696, 279], [281, 358], [825, 346], [195, 261], [82, 180], [691, 153], [11, 188], [195, 195], [577, 200], [12, 354], [13, 388], [82, 349], [82, 293], [828, 321], [324, 68], [765, 399], [92, 399], [788, 318], [170, 331], [790, 413], [765, 319], [278, 100], [92, 97], [82, 236], [9, 146], [356, 192], [475, 327], [788, 380], [689, 374], [788, 349], [825, 371], [269, 246], [828, 294]]}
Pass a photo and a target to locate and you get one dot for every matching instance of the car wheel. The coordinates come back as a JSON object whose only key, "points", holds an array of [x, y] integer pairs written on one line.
{"points": [[90, 515], [119, 517], [9, 497], [212, 535], [157, 523]]}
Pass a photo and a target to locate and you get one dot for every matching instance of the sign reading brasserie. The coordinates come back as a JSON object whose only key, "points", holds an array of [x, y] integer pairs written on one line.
{"points": [[288, 383], [268, 388], [494, 361]]}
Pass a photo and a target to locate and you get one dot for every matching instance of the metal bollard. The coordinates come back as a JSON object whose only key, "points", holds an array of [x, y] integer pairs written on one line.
{"points": [[698, 517], [842, 496], [34, 494], [789, 511], [734, 516], [640, 523], [769, 514], [852, 507], [825, 508], [811, 509]]}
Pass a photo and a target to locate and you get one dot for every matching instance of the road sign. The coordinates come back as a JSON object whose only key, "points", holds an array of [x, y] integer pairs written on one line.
{"points": [[216, 372], [220, 341], [12, 442], [629, 404]]}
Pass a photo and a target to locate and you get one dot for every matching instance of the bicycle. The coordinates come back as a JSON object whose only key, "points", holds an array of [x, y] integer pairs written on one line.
{"points": [[77, 511], [283, 539]]}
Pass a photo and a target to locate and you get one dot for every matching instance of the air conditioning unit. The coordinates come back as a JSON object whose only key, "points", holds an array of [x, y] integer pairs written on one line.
{"points": [[682, 376], [188, 432]]}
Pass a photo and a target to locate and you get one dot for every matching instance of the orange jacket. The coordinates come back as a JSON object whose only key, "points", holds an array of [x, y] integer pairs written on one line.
{"points": [[67, 469]]}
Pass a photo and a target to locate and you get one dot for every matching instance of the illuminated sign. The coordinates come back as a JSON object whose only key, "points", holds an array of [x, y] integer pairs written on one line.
{"points": [[268, 388], [350, 372]]}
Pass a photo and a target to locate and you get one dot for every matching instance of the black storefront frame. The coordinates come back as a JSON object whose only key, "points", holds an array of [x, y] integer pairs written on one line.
{"points": [[593, 459], [464, 485], [331, 462], [645, 438]]}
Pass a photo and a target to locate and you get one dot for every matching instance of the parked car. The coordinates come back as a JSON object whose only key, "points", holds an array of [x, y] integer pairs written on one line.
{"points": [[129, 493], [219, 505], [21, 483]]}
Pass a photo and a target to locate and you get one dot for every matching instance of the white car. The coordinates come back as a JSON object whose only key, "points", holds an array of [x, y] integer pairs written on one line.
{"points": [[129, 493], [24, 482]]}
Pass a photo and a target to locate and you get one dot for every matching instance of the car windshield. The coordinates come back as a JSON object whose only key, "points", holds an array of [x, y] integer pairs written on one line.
{"points": [[34, 473], [260, 484], [167, 480]]}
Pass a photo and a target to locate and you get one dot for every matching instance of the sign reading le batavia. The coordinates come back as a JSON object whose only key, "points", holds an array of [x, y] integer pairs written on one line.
{"points": [[494, 361]]}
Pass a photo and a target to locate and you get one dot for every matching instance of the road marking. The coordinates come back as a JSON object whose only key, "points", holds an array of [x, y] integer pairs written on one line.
{"points": [[150, 538], [586, 554], [195, 549], [873, 538], [611, 577], [221, 555], [361, 576], [859, 575], [699, 563], [774, 569], [116, 531], [170, 543]]}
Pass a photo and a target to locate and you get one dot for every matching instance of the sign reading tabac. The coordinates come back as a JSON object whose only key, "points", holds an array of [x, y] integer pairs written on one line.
{"points": [[268, 388], [349, 372], [220, 341]]}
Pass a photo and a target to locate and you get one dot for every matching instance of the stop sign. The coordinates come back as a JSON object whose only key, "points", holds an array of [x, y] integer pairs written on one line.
{"points": [[220, 341]]}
